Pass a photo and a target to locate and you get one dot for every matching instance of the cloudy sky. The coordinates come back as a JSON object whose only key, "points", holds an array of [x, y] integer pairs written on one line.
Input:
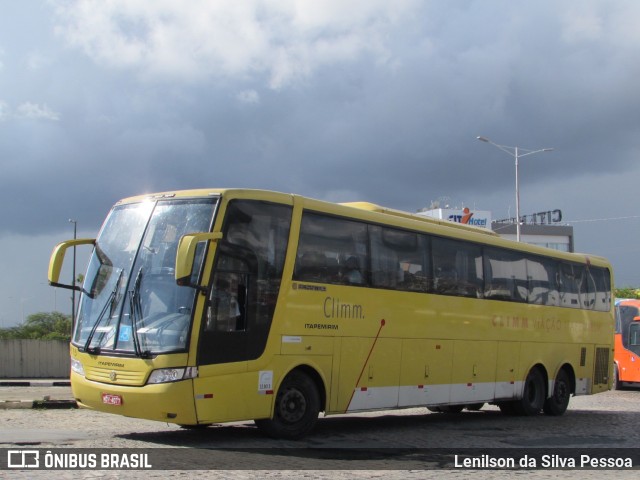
{"points": [[358, 100]]}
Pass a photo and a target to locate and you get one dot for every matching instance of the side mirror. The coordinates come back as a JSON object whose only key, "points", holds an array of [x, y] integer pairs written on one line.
{"points": [[57, 259], [185, 256]]}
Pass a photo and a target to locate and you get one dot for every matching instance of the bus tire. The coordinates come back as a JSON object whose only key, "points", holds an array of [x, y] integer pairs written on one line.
{"points": [[533, 395], [557, 403], [617, 384], [296, 408], [474, 407]]}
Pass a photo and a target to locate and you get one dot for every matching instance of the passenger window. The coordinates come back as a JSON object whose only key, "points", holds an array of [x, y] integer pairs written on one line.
{"points": [[398, 259], [457, 268], [505, 276], [634, 337], [602, 283], [332, 250], [543, 282], [573, 287]]}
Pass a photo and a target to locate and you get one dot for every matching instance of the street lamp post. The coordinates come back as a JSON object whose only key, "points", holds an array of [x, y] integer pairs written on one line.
{"points": [[73, 283], [517, 154]]}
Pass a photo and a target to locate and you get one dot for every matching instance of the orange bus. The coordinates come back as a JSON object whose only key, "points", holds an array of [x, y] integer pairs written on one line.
{"points": [[627, 343]]}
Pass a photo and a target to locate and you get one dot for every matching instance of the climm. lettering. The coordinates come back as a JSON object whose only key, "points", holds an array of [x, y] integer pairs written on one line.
{"points": [[333, 308]]}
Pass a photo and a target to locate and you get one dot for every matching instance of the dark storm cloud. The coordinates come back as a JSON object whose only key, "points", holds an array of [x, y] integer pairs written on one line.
{"points": [[392, 121]]}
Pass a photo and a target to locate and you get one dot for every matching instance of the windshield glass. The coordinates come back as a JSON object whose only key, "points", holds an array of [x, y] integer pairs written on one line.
{"points": [[132, 303]]}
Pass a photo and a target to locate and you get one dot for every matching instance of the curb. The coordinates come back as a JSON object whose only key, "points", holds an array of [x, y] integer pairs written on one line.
{"points": [[45, 402], [38, 404], [27, 383], [54, 404]]}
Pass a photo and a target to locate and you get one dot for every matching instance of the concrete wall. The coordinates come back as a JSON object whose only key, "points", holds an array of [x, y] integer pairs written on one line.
{"points": [[34, 359]]}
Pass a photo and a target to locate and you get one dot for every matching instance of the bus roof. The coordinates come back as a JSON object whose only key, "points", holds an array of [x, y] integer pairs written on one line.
{"points": [[628, 301]]}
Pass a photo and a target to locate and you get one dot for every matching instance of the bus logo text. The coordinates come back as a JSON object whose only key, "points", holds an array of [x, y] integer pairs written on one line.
{"points": [[334, 308]]}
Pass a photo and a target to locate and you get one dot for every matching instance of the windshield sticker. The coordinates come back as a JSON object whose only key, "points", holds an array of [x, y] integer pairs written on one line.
{"points": [[125, 333]]}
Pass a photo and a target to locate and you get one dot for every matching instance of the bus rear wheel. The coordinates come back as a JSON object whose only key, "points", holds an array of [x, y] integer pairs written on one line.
{"points": [[296, 409], [557, 403], [533, 395]]}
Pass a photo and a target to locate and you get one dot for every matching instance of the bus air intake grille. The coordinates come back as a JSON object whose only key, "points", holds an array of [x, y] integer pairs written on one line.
{"points": [[583, 356], [601, 374], [113, 376]]}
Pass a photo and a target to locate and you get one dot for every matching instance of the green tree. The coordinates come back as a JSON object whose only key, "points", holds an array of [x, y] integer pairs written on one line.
{"points": [[627, 292], [41, 326]]}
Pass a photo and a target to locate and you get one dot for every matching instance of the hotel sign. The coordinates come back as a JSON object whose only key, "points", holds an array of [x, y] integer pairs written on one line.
{"points": [[477, 218]]}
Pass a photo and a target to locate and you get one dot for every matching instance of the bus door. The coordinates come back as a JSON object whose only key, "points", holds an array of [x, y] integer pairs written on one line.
{"points": [[240, 302]]}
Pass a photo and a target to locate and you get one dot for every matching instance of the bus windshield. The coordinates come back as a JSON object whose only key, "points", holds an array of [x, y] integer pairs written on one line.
{"points": [[131, 303]]}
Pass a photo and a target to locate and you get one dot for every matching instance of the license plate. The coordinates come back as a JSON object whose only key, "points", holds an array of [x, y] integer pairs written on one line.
{"points": [[110, 399]]}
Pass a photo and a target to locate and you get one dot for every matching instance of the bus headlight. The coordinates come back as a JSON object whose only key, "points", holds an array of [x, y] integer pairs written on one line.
{"points": [[77, 367], [166, 375]]}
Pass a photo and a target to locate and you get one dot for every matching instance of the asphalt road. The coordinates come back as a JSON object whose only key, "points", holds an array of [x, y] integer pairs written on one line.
{"points": [[392, 444]]}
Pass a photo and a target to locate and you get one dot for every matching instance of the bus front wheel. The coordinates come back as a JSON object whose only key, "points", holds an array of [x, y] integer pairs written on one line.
{"points": [[617, 384], [296, 408]]}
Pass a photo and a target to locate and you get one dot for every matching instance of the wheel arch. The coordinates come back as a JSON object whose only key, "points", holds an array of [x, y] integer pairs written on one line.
{"points": [[568, 369], [316, 377]]}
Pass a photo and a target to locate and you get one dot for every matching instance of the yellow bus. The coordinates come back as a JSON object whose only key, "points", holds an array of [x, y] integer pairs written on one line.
{"points": [[211, 306]]}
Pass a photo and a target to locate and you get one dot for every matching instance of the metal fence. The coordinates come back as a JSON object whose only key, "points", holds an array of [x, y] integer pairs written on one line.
{"points": [[34, 359]]}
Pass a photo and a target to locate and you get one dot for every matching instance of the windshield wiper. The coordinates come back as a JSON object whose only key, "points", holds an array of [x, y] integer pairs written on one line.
{"points": [[135, 308], [110, 305]]}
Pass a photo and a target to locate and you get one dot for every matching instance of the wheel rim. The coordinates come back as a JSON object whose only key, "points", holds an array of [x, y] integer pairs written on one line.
{"points": [[293, 406], [561, 393]]}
